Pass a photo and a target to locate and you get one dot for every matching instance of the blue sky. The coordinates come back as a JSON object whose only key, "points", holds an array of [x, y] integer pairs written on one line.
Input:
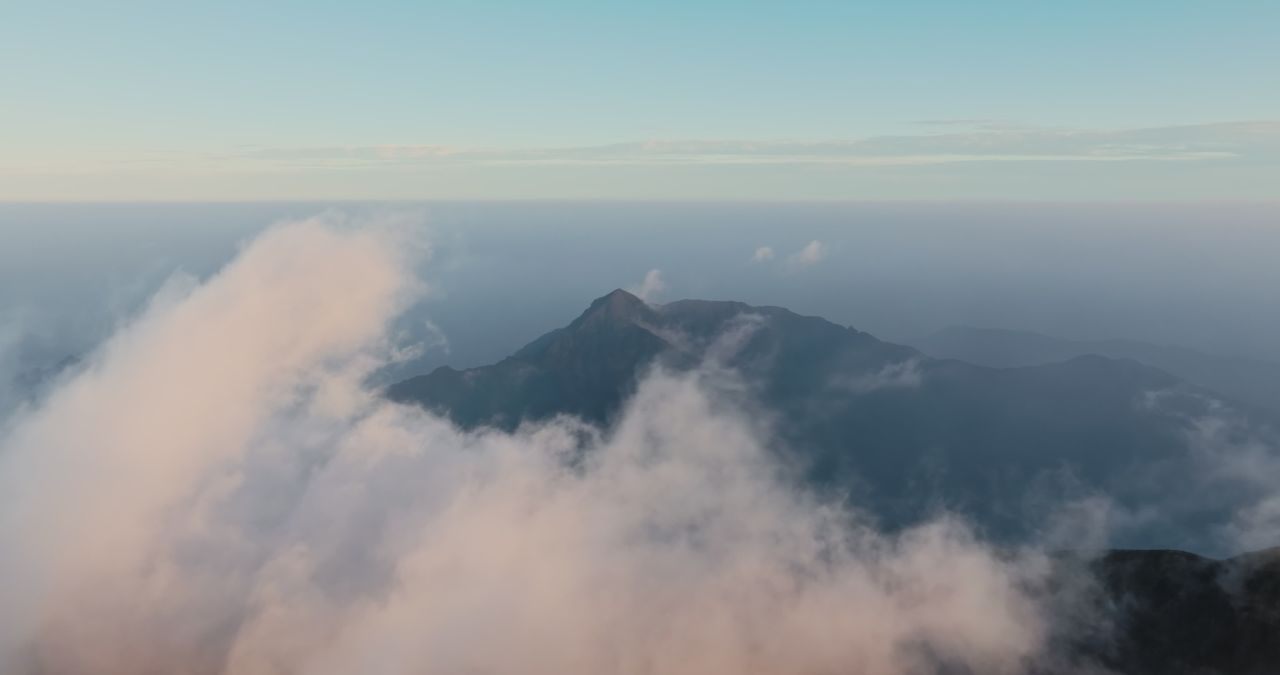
{"points": [[796, 100]]}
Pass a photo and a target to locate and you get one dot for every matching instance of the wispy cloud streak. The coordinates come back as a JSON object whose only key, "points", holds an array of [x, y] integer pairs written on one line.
{"points": [[982, 142]]}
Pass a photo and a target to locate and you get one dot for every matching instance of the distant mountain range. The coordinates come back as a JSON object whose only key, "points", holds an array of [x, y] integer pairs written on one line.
{"points": [[1246, 380], [889, 428]]}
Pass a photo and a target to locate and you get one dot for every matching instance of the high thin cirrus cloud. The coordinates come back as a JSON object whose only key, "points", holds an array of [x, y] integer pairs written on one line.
{"points": [[217, 492]]}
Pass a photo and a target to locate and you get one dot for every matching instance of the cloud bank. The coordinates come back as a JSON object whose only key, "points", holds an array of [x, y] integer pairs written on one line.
{"points": [[218, 492]]}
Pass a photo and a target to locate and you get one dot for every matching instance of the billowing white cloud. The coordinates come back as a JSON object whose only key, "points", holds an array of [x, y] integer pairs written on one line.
{"points": [[812, 253], [652, 286], [218, 493], [763, 254]]}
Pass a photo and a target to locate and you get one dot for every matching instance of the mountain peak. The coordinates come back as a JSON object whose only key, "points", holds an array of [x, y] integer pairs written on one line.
{"points": [[618, 296], [619, 305]]}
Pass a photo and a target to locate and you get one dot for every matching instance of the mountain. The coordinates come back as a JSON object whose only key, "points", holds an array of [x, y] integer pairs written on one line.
{"points": [[881, 425], [589, 367], [586, 369], [1247, 380], [901, 434]]}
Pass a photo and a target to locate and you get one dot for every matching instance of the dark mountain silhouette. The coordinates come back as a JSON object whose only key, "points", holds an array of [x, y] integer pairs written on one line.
{"points": [[1247, 380], [1165, 612], [883, 425]]}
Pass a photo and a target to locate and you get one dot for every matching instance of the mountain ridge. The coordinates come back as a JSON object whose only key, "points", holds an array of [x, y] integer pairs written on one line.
{"points": [[1251, 381], [883, 424], [901, 434]]}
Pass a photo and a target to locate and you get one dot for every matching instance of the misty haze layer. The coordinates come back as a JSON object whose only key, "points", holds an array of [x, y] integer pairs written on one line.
{"points": [[503, 273], [215, 492]]}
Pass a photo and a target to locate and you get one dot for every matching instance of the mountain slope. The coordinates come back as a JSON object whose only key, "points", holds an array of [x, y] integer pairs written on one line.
{"points": [[586, 368], [879, 424], [1247, 380]]}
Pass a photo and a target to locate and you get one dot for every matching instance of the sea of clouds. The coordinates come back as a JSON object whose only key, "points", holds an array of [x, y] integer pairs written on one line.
{"points": [[217, 490]]}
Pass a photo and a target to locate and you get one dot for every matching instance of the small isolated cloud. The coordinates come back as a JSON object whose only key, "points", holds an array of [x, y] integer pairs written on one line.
{"points": [[812, 253], [434, 338], [763, 254], [649, 289], [904, 375]]}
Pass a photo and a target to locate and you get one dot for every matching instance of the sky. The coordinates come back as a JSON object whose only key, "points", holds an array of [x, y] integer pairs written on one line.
{"points": [[988, 100]]}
